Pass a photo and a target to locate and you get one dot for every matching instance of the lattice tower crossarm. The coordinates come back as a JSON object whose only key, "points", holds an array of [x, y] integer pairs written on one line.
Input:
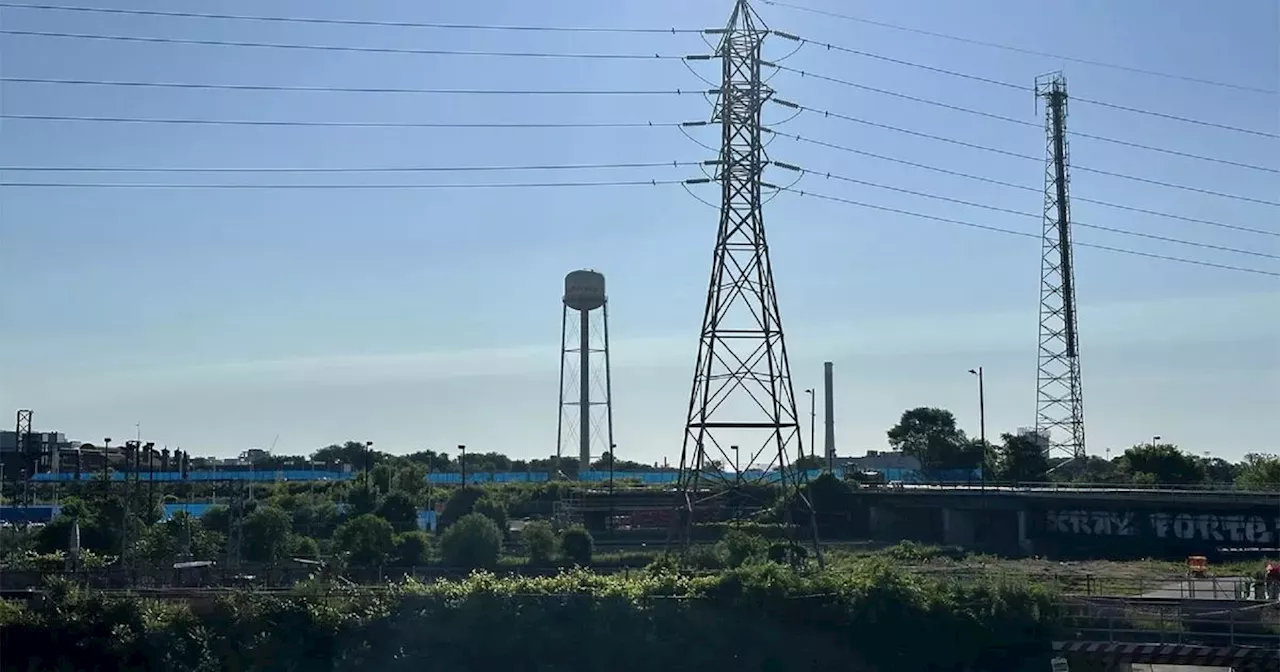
{"points": [[1059, 400], [742, 394]]}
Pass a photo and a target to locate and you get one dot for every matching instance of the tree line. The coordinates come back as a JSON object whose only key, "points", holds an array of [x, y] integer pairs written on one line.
{"points": [[932, 436]]}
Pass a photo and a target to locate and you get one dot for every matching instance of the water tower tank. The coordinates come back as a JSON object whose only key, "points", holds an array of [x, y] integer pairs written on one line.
{"points": [[584, 290]]}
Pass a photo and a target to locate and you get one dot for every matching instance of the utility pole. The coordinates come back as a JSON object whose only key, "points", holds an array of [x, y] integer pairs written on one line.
{"points": [[982, 420], [813, 421], [462, 462], [1059, 402], [742, 390]]}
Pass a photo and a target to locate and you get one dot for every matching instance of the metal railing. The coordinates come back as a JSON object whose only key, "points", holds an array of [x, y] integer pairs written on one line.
{"points": [[1139, 586], [1145, 622]]}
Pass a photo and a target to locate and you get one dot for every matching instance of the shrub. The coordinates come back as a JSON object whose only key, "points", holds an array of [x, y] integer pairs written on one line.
{"points": [[539, 541], [738, 548], [489, 507], [461, 502], [472, 542], [413, 548], [303, 547], [576, 545], [847, 620]]}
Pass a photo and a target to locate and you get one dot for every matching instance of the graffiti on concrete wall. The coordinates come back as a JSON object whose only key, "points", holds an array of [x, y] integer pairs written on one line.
{"points": [[1102, 523], [1240, 528]]}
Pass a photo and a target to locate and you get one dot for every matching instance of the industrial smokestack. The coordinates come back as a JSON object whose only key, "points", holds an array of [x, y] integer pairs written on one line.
{"points": [[829, 419]]}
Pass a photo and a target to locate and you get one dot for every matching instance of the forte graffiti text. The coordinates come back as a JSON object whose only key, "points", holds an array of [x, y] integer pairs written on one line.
{"points": [[1240, 528]]}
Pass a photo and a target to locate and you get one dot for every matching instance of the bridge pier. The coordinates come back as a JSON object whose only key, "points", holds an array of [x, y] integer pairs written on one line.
{"points": [[1024, 539], [883, 523], [957, 527]]}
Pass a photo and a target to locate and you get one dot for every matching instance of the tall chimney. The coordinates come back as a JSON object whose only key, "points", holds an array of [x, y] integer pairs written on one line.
{"points": [[829, 417]]}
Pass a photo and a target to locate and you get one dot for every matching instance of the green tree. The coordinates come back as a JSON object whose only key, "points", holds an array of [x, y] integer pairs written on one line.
{"points": [[1162, 463], [353, 453], [397, 508], [539, 541], [266, 534], [413, 549], [217, 518], [493, 509], [1218, 470], [473, 541], [931, 436], [1021, 458], [461, 502], [303, 547], [576, 545], [315, 517], [411, 478], [1259, 472], [365, 539], [363, 499]]}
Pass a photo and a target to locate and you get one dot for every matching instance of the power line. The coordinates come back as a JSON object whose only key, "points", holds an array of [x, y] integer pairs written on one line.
{"points": [[913, 64], [465, 185], [374, 169], [1003, 152], [332, 47], [1022, 50], [1022, 187], [1020, 87], [1019, 213], [1022, 122], [341, 124], [351, 22], [1025, 234], [1174, 117], [355, 89]]}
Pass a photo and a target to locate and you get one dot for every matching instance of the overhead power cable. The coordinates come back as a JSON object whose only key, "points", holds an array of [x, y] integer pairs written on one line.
{"points": [[571, 29], [464, 185], [372, 169], [349, 22], [1020, 213], [358, 89], [1022, 187], [1029, 89], [1020, 122], [341, 124], [334, 47], [1022, 50], [1003, 152], [1025, 234]]}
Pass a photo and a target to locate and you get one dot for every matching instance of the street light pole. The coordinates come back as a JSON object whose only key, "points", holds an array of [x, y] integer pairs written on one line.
{"points": [[813, 421], [982, 419], [462, 461], [368, 455]]}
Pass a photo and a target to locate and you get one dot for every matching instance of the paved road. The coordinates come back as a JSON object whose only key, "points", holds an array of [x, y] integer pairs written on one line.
{"points": [[1217, 588]]}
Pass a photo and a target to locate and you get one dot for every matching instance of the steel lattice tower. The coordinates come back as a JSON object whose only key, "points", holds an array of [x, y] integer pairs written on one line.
{"points": [[1059, 404], [742, 395], [26, 451]]}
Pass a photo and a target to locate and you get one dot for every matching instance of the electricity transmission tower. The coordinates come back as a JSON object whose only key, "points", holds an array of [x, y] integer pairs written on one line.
{"points": [[742, 423], [1059, 404]]}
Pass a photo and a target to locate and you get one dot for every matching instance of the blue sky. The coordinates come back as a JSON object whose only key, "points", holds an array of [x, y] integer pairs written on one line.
{"points": [[221, 319]]}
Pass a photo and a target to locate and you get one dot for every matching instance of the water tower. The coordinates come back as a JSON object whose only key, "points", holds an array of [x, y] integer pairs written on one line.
{"points": [[584, 355]]}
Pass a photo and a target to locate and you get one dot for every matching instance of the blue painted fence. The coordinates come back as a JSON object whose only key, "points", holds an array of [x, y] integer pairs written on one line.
{"points": [[454, 478]]}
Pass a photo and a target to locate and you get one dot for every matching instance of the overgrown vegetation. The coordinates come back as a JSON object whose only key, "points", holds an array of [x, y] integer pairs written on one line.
{"points": [[760, 615]]}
